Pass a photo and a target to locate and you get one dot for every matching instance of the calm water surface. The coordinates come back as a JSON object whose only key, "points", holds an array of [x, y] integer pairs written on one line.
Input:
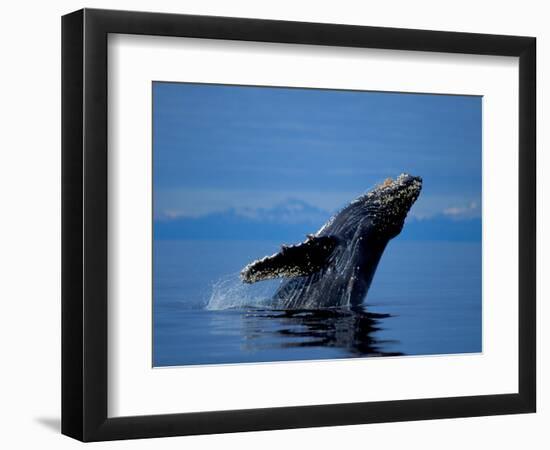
{"points": [[425, 299]]}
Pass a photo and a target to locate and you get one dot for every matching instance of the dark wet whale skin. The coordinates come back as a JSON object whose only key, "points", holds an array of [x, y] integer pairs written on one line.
{"points": [[362, 231]]}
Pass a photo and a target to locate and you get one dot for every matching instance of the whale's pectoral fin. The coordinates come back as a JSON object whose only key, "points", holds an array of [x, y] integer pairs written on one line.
{"points": [[292, 261]]}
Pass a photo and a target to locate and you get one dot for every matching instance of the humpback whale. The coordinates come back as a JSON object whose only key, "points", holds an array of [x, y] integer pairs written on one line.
{"points": [[335, 266]]}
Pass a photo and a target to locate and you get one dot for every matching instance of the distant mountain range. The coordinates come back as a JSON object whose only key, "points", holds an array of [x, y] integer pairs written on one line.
{"points": [[292, 220]]}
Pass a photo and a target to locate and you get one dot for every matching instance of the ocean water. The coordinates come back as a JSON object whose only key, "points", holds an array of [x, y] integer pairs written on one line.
{"points": [[425, 299]]}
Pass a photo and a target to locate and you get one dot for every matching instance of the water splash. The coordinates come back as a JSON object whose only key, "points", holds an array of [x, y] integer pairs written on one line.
{"points": [[230, 292]]}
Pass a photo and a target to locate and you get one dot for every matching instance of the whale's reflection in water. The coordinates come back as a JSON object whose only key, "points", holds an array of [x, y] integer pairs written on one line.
{"points": [[350, 330], [259, 334]]}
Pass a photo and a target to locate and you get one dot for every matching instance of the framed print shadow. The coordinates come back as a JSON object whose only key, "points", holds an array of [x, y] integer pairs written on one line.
{"points": [[265, 223]]}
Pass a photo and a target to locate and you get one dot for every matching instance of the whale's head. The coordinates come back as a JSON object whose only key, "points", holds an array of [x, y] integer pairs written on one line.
{"points": [[388, 204], [381, 211]]}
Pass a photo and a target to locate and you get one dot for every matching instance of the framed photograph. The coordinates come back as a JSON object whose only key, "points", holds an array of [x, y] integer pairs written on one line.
{"points": [[272, 224]]}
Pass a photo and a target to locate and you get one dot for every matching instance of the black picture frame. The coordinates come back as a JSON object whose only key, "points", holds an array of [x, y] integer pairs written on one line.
{"points": [[84, 224]]}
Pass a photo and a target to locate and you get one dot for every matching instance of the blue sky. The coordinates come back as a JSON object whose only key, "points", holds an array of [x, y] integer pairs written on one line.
{"points": [[251, 150]]}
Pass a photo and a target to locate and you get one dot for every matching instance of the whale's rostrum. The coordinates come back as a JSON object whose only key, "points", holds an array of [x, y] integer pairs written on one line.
{"points": [[335, 266]]}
